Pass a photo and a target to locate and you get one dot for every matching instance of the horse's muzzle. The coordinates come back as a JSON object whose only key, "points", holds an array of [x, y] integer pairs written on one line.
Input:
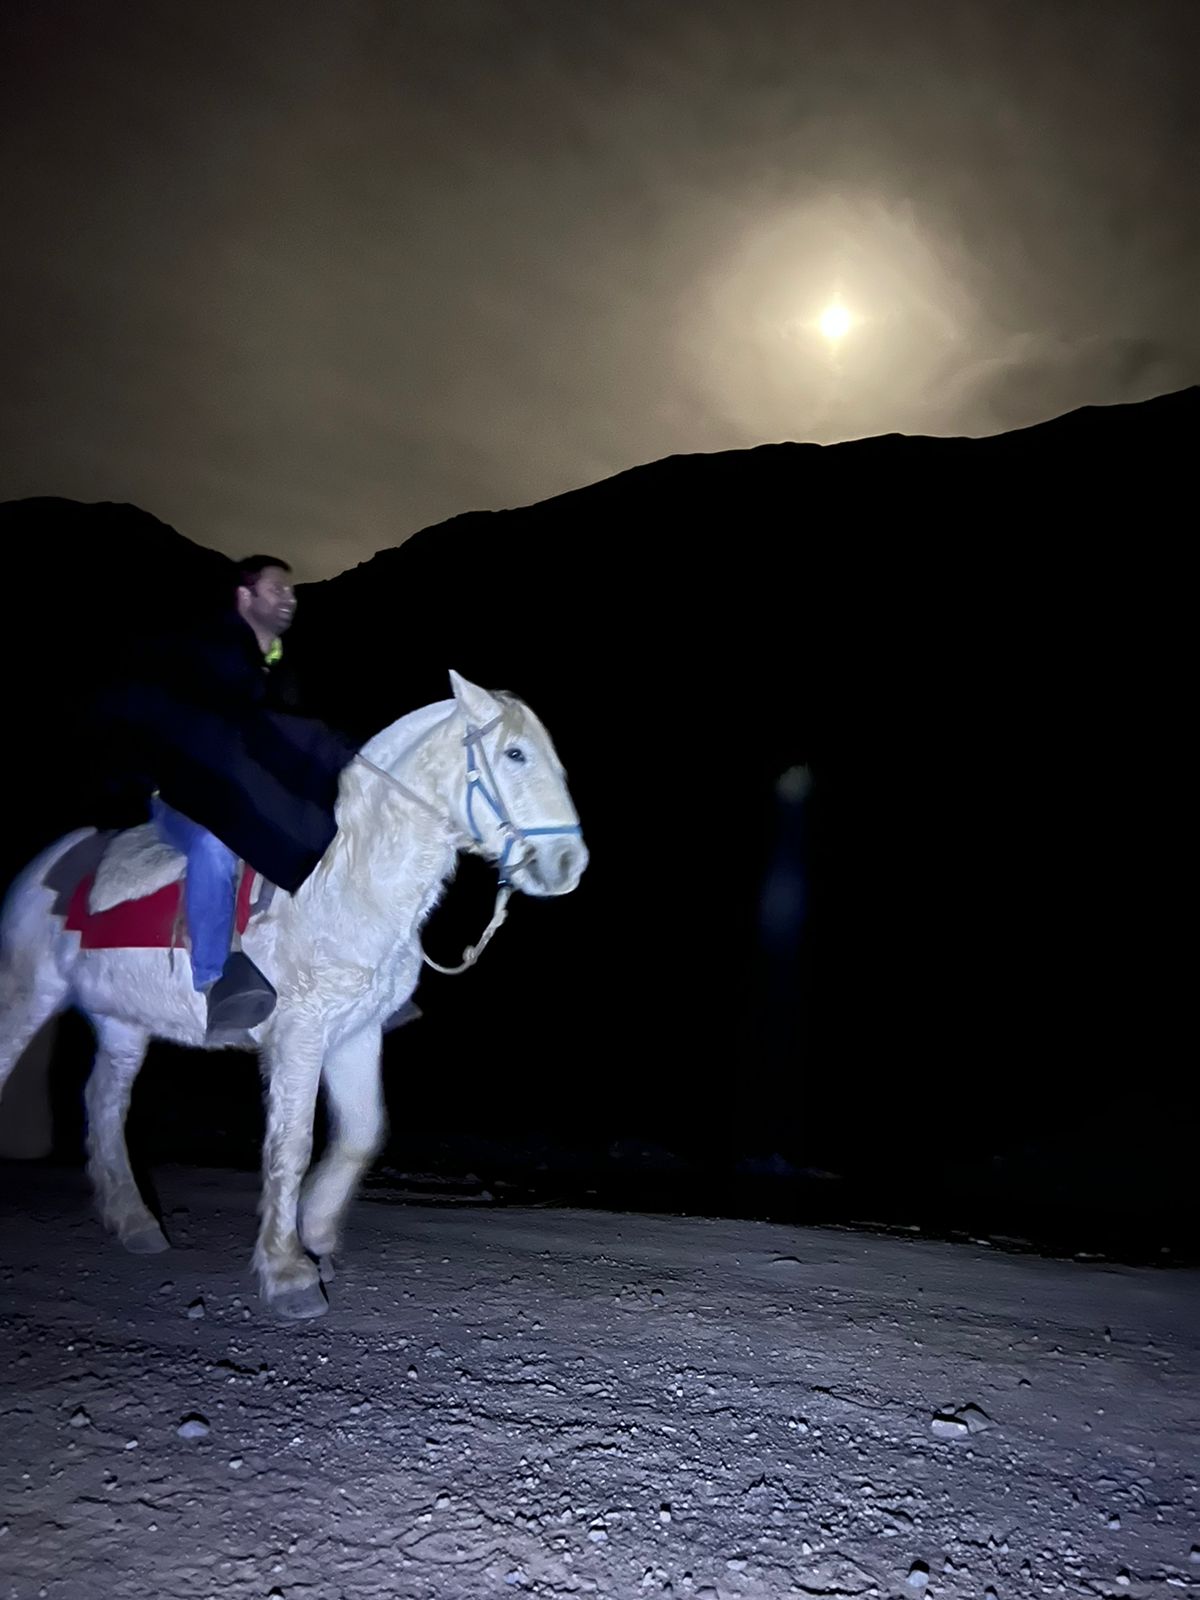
{"points": [[551, 866]]}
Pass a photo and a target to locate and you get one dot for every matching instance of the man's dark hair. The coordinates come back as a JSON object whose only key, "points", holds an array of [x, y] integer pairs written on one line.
{"points": [[251, 568]]}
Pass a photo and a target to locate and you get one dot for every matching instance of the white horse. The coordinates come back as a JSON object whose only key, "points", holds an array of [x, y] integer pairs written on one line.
{"points": [[478, 773]]}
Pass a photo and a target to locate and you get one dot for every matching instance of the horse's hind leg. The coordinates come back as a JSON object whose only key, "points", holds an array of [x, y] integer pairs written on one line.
{"points": [[354, 1093], [119, 1056]]}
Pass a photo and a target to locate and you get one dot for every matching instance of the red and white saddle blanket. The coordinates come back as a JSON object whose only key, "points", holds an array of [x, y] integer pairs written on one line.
{"points": [[102, 902]]}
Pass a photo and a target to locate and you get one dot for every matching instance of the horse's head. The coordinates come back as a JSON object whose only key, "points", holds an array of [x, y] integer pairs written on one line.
{"points": [[516, 804]]}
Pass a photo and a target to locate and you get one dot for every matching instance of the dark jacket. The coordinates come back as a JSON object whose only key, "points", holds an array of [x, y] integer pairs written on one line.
{"points": [[200, 718]]}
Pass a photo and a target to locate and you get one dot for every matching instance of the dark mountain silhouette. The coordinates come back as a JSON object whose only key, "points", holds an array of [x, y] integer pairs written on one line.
{"points": [[977, 647]]}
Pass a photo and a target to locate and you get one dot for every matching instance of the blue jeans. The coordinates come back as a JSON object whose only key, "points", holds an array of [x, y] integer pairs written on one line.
{"points": [[210, 888]]}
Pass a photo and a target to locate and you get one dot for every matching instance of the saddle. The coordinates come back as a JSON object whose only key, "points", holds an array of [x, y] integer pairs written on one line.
{"points": [[124, 891]]}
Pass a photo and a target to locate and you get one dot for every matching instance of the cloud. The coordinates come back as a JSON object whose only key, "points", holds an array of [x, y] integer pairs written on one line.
{"points": [[1033, 381]]}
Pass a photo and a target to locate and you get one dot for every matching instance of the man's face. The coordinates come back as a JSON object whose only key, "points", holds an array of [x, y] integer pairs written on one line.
{"points": [[271, 603]]}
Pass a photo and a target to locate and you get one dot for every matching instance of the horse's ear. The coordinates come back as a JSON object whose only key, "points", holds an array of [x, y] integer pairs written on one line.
{"points": [[476, 704]]}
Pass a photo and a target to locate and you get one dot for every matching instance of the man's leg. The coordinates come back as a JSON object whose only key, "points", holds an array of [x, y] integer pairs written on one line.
{"points": [[239, 996], [210, 888]]}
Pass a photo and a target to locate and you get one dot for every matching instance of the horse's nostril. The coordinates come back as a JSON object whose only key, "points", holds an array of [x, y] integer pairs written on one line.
{"points": [[565, 859]]}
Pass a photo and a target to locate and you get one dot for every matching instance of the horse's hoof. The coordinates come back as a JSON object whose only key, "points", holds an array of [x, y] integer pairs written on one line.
{"points": [[327, 1267], [298, 1305], [151, 1241]]}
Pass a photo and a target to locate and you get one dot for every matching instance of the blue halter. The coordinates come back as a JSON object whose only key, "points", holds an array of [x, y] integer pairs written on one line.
{"points": [[481, 780]]}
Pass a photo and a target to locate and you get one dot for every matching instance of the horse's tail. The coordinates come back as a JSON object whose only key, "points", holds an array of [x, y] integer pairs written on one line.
{"points": [[26, 1111], [32, 991]]}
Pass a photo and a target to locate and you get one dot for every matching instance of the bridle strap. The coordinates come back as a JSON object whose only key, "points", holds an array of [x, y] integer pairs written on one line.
{"points": [[481, 780]]}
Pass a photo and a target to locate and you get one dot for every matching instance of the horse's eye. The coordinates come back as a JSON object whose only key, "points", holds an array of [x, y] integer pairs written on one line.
{"points": [[515, 753]]}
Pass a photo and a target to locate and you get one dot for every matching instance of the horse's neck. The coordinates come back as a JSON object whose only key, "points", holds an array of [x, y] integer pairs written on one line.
{"points": [[393, 852], [415, 751], [392, 747]]}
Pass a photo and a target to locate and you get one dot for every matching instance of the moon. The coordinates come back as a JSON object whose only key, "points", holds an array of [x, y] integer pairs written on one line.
{"points": [[835, 322]]}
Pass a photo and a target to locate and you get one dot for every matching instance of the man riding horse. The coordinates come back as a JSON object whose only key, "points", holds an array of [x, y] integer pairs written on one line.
{"points": [[237, 776]]}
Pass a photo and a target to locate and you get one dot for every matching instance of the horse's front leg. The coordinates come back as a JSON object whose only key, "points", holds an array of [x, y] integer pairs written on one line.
{"points": [[288, 1279], [354, 1097]]}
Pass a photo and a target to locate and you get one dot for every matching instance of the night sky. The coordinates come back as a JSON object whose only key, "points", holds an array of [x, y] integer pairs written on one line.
{"points": [[309, 277]]}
